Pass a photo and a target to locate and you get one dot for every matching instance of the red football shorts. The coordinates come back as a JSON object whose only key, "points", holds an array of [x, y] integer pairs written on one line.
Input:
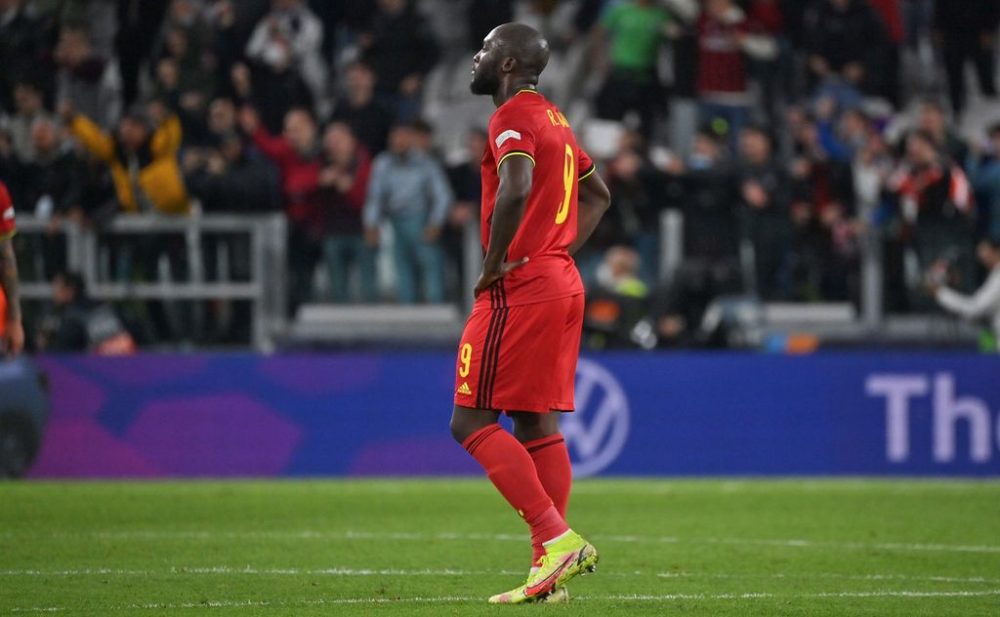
{"points": [[519, 358]]}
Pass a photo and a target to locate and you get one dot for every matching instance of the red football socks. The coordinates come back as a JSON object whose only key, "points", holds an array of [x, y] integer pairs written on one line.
{"points": [[511, 470], [554, 469], [555, 473]]}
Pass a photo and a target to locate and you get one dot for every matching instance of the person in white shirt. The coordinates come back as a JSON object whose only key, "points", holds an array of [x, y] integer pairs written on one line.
{"points": [[985, 302]]}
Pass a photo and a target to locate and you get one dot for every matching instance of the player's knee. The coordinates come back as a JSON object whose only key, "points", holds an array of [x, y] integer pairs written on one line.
{"points": [[457, 430], [465, 422], [462, 428]]}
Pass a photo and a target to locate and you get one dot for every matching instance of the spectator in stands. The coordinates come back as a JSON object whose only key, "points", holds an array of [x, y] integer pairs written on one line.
{"points": [[142, 158], [29, 105], [764, 191], [89, 82], [271, 93], [368, 118], [465, 179], [724, 41], [296, 154], [703, 187], [185, 66], [289, 40], [22, 46], [635, 220], [408, 189], [933, 120], [99, 15], [138, 25], [821, 195], [232, 24], [205, 128], [617, 301], [186, 34], [343, 182], [48, 185], [846, 45], [634, 29], [78, 324], [842, 137], [891, 14], [983, 166], [401, 51], [934, 202], [222, 118], [985, 302], [773, 72], [229, 178], [967, 31]]}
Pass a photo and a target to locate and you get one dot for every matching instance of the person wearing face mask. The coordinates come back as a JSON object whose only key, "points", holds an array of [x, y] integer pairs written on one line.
{"points": [[703, 186]]}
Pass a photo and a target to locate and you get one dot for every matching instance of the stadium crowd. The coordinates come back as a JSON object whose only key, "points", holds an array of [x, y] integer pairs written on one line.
{"points": [[788, 133]]}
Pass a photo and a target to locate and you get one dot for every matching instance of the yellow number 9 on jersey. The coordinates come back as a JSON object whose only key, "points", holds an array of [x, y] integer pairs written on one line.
{"points": [[569, 176], [465, 357]]}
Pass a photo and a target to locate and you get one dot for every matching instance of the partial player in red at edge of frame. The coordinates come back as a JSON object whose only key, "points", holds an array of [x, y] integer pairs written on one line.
{"points": [[542, 198], [11, 329]]}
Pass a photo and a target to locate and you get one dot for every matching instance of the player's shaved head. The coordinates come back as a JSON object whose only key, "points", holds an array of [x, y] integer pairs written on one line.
{"points": [[524, 44], [512, 53]]}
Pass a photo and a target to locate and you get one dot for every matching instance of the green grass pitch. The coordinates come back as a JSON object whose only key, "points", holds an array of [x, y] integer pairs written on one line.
{"points": [[440, 547]]}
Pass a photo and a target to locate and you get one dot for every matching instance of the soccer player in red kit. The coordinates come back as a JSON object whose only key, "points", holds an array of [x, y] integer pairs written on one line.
{"points": [[11, 330], [542, 199]]}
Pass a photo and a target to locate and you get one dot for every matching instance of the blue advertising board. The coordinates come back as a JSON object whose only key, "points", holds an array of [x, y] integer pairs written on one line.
{"points": [[638, 414]]}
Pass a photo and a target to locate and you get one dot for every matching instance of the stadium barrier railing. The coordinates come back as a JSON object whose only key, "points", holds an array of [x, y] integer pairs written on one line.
{"points": [[87, 252]]}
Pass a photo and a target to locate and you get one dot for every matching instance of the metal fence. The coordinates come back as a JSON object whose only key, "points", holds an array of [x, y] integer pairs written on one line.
{"points": [[88, 252]]}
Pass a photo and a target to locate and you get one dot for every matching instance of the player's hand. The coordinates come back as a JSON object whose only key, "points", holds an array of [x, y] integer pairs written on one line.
{"points": [[13, 338], [488, 279]]}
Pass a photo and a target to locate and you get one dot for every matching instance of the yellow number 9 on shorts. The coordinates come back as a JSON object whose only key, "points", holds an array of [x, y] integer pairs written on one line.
{"points": [[464, 358]]}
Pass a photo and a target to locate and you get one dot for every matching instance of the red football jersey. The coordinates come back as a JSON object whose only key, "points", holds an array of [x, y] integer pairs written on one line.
{"points": [[532, 126], [6, 213], [6, 231]]}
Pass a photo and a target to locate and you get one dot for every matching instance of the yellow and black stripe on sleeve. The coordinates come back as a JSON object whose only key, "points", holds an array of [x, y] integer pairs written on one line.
{"points": [[587, 173], [515, 153]]}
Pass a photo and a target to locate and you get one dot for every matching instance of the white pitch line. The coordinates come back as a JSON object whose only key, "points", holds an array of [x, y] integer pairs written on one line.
{"points": [[446, 572], [423, 537], [258, 571], [451, 599], [828, 575], [827, 594]]}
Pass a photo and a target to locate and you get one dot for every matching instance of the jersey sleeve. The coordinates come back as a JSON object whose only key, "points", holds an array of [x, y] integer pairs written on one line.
{"points": [[512, 134], [7, 226], [584, 164]]}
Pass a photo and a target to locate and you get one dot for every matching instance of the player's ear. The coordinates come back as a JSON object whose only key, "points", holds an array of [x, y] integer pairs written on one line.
{"points": [[507, 66]]}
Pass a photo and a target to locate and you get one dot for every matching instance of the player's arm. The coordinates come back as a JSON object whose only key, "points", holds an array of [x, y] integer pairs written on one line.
{"points": [[14, 335], [515, 185], [593, 201]]}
